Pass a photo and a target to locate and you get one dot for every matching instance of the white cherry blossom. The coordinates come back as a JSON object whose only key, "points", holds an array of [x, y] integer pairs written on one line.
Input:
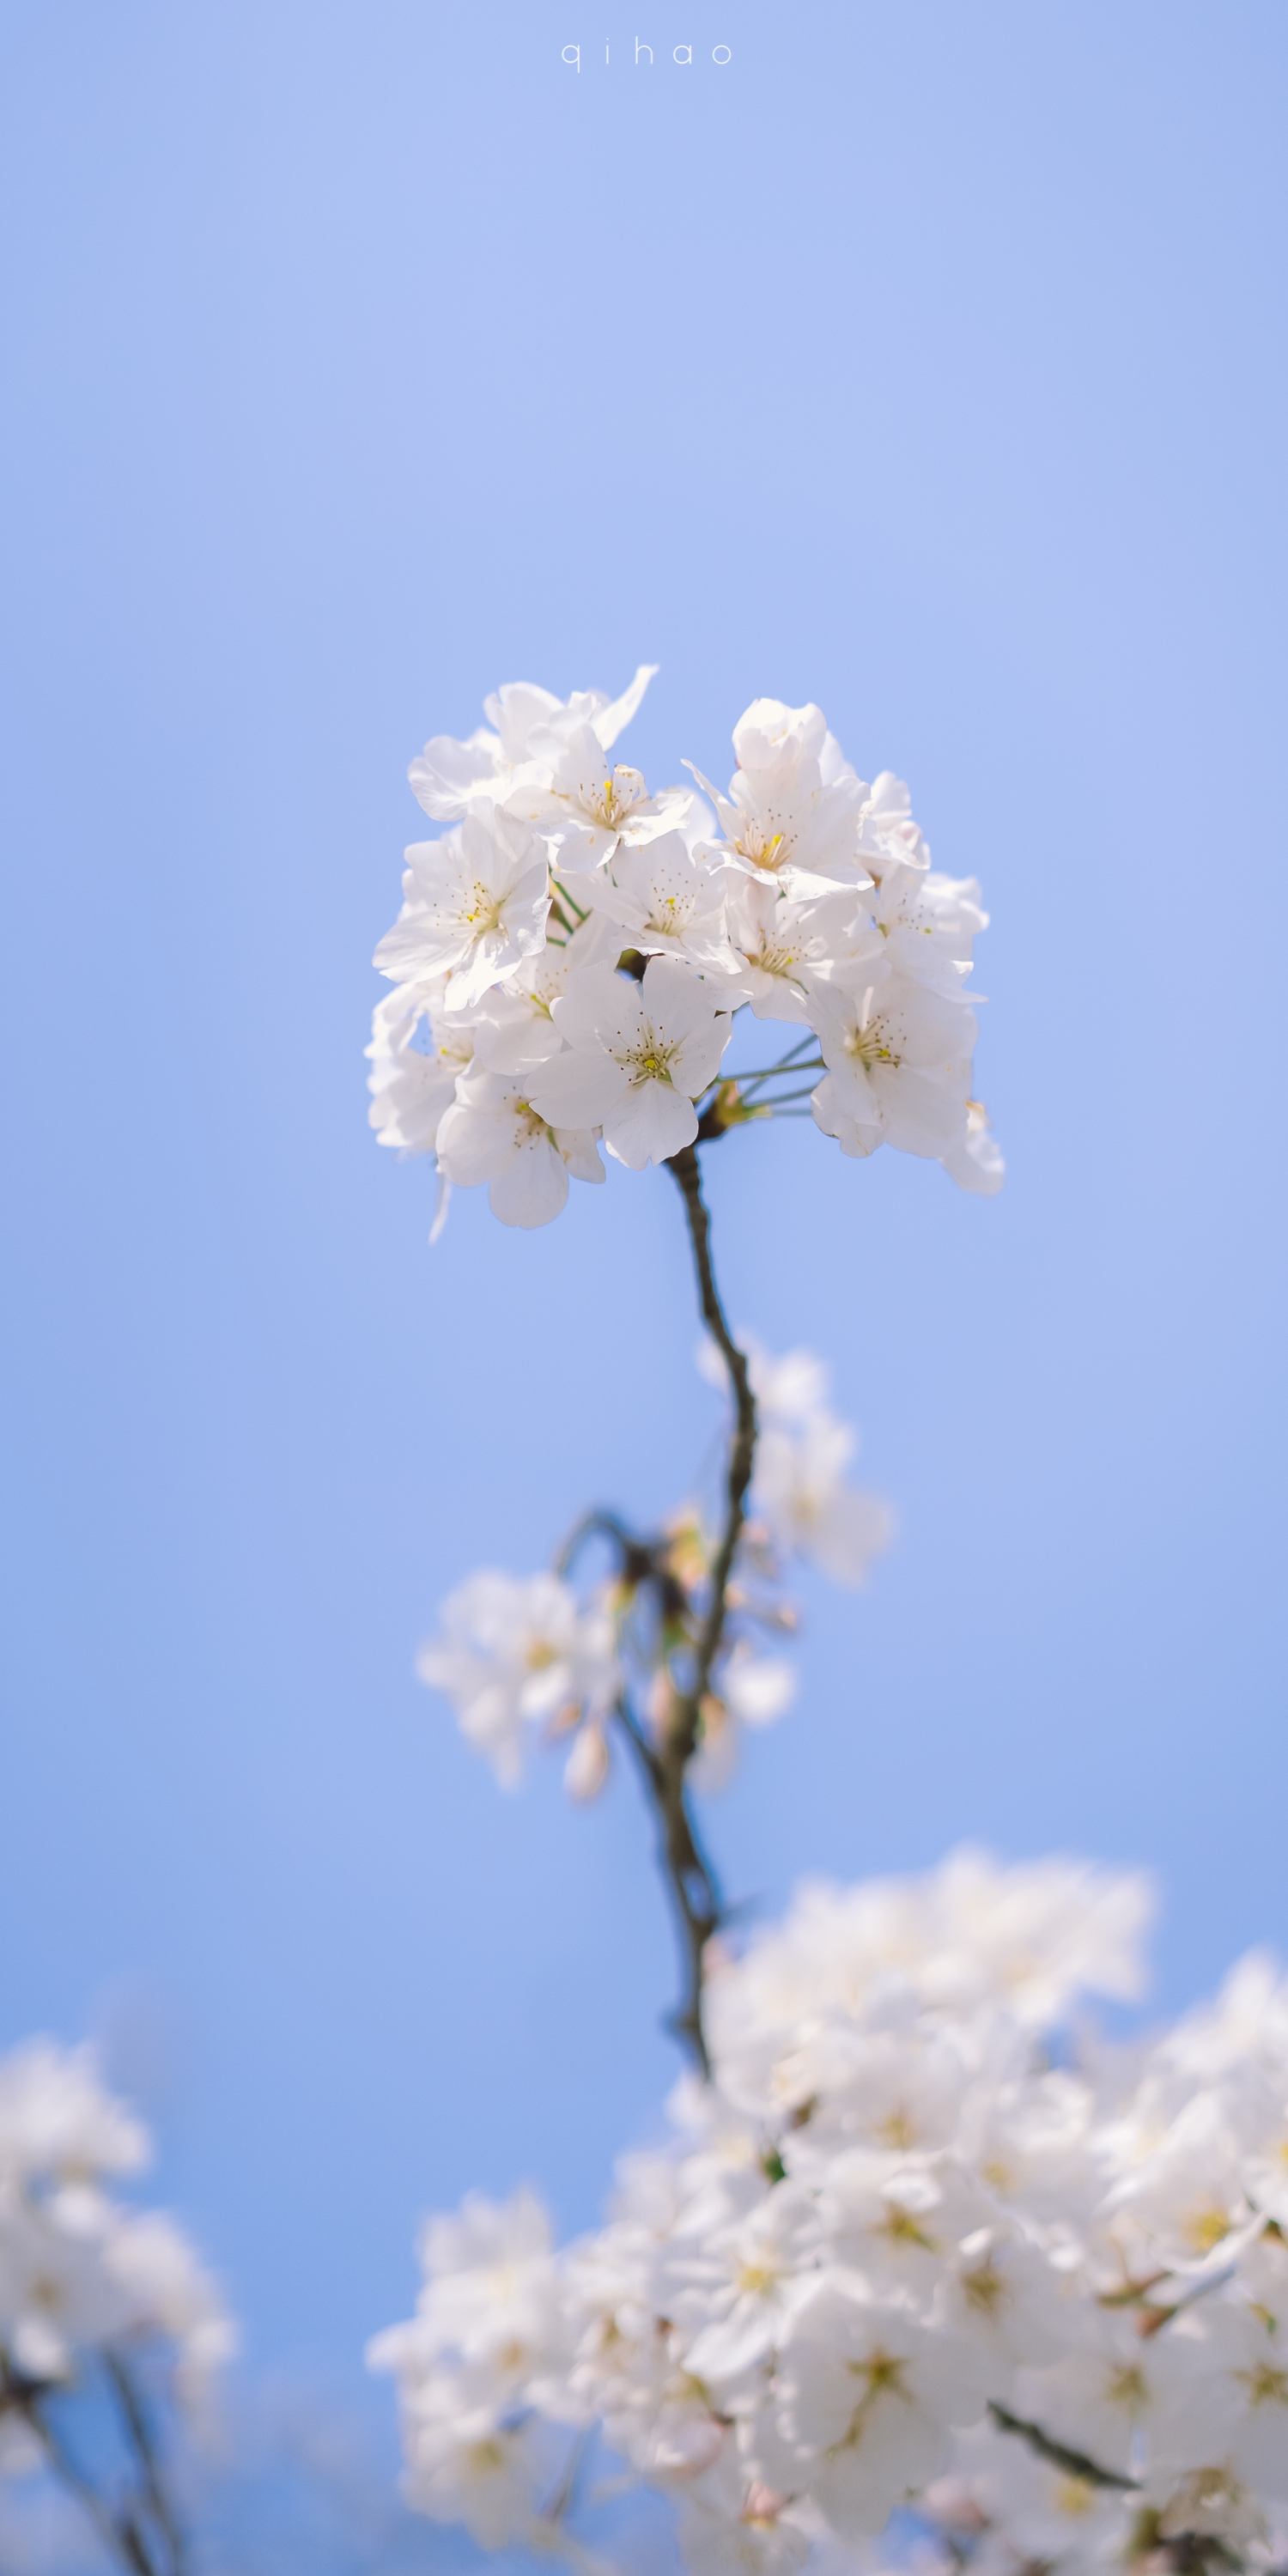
{"points": [[815, 2311], [417, 1052], [867, 2395], [785, 948], [517, 1651], [493, 1133], [666, 902], [928, 922], [475, 906], [639, 1055], [792, 814], [801, 1489], [898, 1055], [449, 776], [810, 901], [512, 1029], [83, 2274], [975, 1162]]}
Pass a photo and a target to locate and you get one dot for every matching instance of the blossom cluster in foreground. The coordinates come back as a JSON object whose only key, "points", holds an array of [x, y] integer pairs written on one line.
{"points": [[83, 2276], [519, 1653], [572, 951], [906, 2257]]}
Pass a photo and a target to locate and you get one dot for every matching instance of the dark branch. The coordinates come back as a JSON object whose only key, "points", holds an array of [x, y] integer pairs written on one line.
{"points": [[688, 1871], [1075, 2464], [634, 1556], [647, 1566], [690, 1879], [117, 2528], [143, 2444], [683, 1733]]}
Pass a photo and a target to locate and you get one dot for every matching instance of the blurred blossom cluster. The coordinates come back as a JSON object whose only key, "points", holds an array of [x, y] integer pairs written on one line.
{"points": [[102, 2306], [81, 2272], [531, 1654], [917, 2251], [572, 950]]}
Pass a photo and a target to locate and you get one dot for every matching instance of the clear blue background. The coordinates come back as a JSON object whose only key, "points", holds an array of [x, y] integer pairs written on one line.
{"points": [[926, 360]]}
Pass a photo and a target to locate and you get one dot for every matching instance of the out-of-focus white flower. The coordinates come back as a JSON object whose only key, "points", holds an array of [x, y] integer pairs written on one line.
{"points": [[469, 2461], [169, 2292], [587, 1767], [475, 905], [787, 1389], [732, 2524], [82, 2274], [867, 2395], [517, 1650], [757, 1689], [736, 2288], [58, 2120], [750, 1689], [888, 2212], [492, 2289], [639, 1055], [812, 1512], [1042, 2514]]}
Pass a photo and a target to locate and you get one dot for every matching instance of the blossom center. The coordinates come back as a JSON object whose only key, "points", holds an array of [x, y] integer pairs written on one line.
{"points": [[868, 1042], [1265, 2385], [1206, 2228], [763, 853], [1126, 2388], [985, 2289], [899, 2227], [482, 909], [651, 1060], [883, 2372]]}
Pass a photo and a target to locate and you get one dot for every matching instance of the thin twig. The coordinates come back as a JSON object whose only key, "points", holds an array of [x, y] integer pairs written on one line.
{"points": [[809, 1039], [770, 1072], [118, 2531], [1075, 2464], [601, 1523], [134, 2416], [687, 1869], [570, 900], [689, 1876], [806, 1092]]}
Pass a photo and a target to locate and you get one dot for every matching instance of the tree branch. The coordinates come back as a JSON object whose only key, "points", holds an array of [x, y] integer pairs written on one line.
{"points": [[135, 2418], [1075, 2464], [117, 2529], [689, 1876], [688, 1872], [682, 1735]]}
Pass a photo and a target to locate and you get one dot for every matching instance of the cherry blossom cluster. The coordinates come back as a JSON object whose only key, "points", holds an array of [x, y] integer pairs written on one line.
{"points": [[88, 2284], [573, 950], [914, 2254], [520, 1655]]}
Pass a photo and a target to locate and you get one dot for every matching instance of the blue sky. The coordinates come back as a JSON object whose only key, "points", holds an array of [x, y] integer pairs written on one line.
{"points": [[923, 360]]}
